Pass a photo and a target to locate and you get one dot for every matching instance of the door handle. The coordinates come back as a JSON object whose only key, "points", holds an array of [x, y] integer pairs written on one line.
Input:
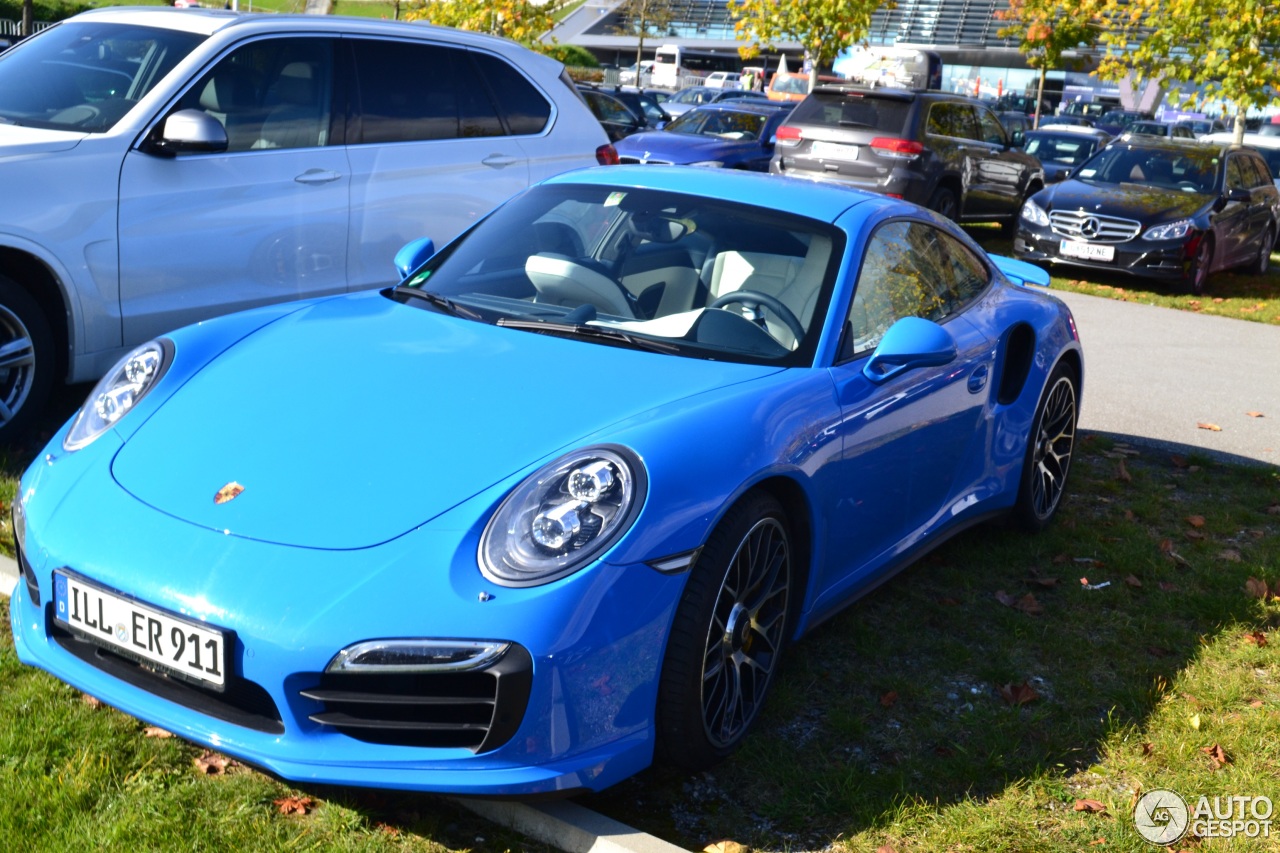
{"points": [[317, 176], [499, 161]]}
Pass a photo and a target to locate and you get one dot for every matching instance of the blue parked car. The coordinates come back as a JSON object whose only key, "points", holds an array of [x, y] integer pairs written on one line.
{"points": [[555, 505], [731, 134]]}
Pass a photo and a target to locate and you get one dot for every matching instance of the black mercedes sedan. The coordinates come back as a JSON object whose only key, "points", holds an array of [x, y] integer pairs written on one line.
{"points": [[1158, 208]]}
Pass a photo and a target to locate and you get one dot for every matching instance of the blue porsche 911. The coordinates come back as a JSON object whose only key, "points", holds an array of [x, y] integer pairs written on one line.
{"points": [[553, 507]]}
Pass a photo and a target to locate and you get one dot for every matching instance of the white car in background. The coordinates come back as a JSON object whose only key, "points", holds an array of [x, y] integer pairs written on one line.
{"points": [[724, 80], [161, 166]]}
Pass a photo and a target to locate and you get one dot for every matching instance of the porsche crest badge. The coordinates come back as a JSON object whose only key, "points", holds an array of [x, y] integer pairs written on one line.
{"points": [[229, 492]]}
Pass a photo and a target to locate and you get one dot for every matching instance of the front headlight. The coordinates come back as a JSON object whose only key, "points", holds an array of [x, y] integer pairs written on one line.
{"points": [[118, 392], [563, 516], [1170, 230], [715, 164], [1034, 214]]}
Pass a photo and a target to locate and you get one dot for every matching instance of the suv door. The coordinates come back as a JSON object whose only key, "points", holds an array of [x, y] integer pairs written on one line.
{"points": [[264, 220], [1000, 171], [429, 153]]}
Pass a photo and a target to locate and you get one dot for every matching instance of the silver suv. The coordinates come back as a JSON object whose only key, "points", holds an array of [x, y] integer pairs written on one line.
{"points": [[161, 166]]}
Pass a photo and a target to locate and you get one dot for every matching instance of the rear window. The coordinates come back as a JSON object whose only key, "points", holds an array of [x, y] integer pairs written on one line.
{"points": [[852, 110]]}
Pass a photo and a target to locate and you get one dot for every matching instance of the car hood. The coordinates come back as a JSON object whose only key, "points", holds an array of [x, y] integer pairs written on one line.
{"points": [[678, 147], [355, 420], [1131, 201], [17, 141]]}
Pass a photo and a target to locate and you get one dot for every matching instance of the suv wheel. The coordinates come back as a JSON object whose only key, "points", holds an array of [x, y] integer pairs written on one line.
{"points": [[943, 201], [26, 359]]}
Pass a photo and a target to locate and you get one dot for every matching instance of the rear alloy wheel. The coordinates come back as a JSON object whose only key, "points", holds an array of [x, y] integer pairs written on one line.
{"points": [[1049, 448], [1262, 262], [943, 201], [26, 360], [727, 637], [1201, 265]]}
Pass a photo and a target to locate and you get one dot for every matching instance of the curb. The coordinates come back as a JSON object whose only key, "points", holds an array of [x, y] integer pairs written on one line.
{"points": [[568, 826], [8, 575]]}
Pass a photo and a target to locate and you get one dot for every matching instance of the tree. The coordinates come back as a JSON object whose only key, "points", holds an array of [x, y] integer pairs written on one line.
{"points": [[518, 20], [641, 18], [28, 17], [1045, 29], [822, 27], [1227, 48]]}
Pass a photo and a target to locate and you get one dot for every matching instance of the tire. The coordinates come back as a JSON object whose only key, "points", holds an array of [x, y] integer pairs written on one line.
{"points": [[1262, 263], [1050, 446], [1199, 276], [943, 201], [727, 636], [26, 360]]}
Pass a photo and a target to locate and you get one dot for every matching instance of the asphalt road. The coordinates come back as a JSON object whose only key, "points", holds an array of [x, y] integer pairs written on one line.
{"points": [[1153, 374]]}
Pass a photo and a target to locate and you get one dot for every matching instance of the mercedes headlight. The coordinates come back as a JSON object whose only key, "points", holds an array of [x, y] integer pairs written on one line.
{"points": [[1034, 214], [1170, 230], [563, 516], [118, 392]]}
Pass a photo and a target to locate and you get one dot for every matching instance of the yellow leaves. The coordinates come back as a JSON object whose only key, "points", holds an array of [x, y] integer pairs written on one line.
{"points": [[1194, 721]]}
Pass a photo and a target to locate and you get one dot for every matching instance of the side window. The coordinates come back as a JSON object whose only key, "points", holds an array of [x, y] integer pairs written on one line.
{"points": [[1258, 169], [991, 129], [272, 93], [943, 120], [910, 269], [523, 106], [409, 92], [1235, 174]]}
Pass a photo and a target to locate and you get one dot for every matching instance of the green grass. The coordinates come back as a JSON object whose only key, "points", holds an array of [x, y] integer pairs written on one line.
{"points": [[1228, 294]]}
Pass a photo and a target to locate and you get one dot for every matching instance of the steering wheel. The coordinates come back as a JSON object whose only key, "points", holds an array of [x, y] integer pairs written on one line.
{"points": [[560, 281], [749, 297]]}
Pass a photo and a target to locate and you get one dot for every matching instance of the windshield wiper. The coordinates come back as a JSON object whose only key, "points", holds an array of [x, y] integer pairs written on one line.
{"points": [[584, 331], [437, 300]]}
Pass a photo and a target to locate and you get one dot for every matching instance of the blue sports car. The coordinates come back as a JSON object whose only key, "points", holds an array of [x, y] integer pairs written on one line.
{"points": [[555, 505], [730, 135]]}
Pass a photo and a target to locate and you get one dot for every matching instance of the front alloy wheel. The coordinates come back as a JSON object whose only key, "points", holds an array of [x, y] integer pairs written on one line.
{"points": [[1049, 449]]}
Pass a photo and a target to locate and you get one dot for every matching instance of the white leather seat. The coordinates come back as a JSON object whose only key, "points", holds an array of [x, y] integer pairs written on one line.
{"points": [[792, 279]]}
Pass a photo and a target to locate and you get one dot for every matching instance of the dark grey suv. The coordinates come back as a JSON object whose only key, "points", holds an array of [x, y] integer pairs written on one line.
{"points": [[946, 152]]}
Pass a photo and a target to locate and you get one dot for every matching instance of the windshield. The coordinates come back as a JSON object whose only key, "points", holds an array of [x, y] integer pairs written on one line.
{"points": [[793, 84], [726, 124], [86, 76], [1189, 170], [691, 96], [1066, 149], [695, 276]]}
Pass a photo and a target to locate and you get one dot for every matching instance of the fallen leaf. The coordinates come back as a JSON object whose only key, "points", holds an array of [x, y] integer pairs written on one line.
{"points": [[885, 848], [1047, 583], [1005, 598], [1217, 755], [887, 700], [1166, 545], [1274, 509], [1090, 806], [1196, 535], [1194, 720], [1128, 515], [1256, 703], [157, 732], [295, 805], [1231, 555], [1257, 588], [1097, 841], [1256, 638], [1018, 694], [1123, 474], [1028, 605], [91, 701], [1195, 520], [388, 829], [1209, 426], [1147, 748], [1218, 300], [1178, 461], [1167, 586], [212, 763], [1255, 414]]}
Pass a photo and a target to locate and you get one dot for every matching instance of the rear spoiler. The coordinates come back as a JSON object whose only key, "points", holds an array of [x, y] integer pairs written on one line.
{"points": [[1020, 272]]}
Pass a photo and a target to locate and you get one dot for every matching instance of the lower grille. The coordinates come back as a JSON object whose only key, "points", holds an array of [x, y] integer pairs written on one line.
{"points": [[477, 710], [1095, 227], [242, 703]]}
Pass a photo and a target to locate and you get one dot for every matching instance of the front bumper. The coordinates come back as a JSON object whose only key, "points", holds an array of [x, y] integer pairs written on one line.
{"points": [[1164, 259], [594, 641]]}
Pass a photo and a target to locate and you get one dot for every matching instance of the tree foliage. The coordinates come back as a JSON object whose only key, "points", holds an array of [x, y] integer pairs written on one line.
{"points": [[643, 19], [1228, 48], [1045, 29], [518, 20], [822, 27]]}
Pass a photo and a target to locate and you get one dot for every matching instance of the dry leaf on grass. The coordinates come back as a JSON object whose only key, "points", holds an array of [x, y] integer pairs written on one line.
{"points": [[1256, 638], [1256, 703], [91, 701], [1133, 582], [1196, 535], [1258, 589], [1005, 598], [1255, 414], [1209, 426], [1166, 586], [1090, 806], [1047, 583], [1028, 605], [1179, 461], [156, 731], [1195, 520], [1274, 509], [1123, 474], [1194, 721], [1018, 694], [295, 805], [1147, 748], [1217, 755], [1231, 555], [887, 700], [214, 764], [885, 848]]}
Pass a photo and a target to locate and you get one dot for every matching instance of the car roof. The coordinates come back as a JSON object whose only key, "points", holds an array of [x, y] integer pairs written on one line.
{"points": [[1256, 140], [822, 201], [1170, 143], [745, 105], [1071, 129]]}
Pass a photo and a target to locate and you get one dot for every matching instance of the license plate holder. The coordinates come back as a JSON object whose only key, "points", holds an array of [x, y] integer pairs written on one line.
{"points": [[173, 645], [832, 150], [1087, 251]]}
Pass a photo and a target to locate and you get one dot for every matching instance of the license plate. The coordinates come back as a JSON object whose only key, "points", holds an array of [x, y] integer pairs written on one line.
{"points": [[833, 150], [1087, 251], [187, 648]]}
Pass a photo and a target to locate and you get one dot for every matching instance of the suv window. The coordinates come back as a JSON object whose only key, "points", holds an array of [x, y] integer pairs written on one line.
{"points": [[991, 129], [523, 106], [910, 270], [441, 104], [952, 119], [853, 110]]}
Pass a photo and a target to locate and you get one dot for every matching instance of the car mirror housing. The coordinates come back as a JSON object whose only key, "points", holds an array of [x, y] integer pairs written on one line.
{"points": [[414, 254], [910, 343], [1239, 194], [191, 130]]}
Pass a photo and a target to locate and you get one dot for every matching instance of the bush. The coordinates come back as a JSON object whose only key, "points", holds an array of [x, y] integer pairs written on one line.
{"points": [[572, 55]]}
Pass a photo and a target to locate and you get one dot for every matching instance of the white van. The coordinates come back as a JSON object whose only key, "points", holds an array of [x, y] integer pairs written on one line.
{"points": [[161, 166], [724, 80]]}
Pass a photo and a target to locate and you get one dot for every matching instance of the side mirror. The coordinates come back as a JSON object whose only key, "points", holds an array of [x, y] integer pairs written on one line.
{"points": [[1239, 194], [414, 254], [910, 343], [190, 130], [1017, 139]]}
